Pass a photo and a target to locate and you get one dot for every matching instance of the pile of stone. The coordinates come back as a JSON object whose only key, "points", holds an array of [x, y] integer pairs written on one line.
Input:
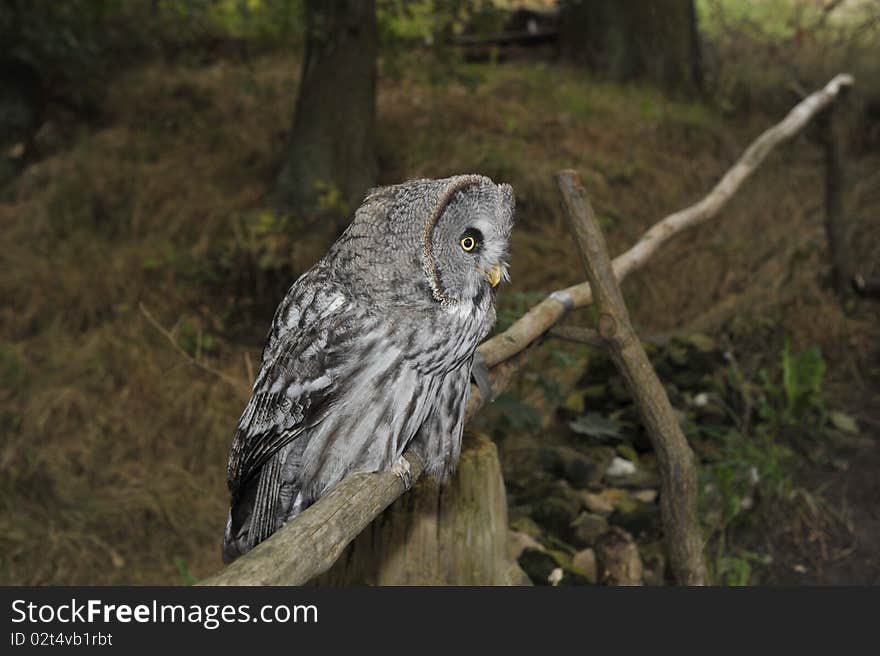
{"points": [[583, 494]]}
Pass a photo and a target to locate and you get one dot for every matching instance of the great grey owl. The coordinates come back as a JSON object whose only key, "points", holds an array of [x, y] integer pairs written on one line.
{"points": [[371, 351]]}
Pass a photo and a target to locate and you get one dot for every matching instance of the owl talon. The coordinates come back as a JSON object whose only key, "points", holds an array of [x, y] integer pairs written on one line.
{"points": [[403, 471]]}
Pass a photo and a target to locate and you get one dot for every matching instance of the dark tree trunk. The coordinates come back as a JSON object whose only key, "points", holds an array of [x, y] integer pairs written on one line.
{"points": [[21, 106], [628, 39], [330, 154]]}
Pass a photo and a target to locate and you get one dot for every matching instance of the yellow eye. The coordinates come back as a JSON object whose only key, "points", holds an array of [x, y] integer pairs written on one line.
{"points": [[468, 244]]}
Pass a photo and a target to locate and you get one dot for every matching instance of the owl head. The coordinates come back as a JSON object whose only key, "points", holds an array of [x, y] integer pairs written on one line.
{"points": [[431, 241], [465, 237]]}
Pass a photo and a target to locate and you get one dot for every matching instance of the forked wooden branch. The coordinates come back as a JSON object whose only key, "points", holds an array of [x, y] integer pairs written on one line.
{"points": [[675, 460], [310, 543]]}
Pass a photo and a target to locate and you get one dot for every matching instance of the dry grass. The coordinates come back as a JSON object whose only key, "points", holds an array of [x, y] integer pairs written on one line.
{"points": [[112, 455]]}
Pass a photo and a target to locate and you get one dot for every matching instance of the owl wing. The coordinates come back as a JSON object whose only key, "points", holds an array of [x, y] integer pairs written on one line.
{"points": [[294, 391]]}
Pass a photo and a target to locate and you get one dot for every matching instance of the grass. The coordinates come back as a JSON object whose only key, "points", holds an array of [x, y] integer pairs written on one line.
{"points": [[113, 444]]}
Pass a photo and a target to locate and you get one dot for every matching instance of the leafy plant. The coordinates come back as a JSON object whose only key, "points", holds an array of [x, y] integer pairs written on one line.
{"points": [[186, 576], [793, 395]]}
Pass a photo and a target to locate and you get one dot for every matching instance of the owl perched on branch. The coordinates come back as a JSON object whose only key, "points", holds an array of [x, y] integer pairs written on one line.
{"points": [[371, 350]]}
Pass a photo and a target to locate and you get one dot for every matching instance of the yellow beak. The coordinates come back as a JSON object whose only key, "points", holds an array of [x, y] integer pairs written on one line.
{"points": [[493, 275]]}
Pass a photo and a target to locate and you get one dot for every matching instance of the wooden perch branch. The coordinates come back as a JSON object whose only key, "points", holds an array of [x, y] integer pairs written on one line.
{"points": [[678, 495], [310, 543]]}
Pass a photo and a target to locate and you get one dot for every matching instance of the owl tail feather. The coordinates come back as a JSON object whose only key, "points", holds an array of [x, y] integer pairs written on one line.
{"points": [[254, 512], [266, 503]]}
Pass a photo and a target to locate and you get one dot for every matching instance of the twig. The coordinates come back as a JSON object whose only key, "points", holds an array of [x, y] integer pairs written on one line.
{"points": [[360, 498], [678, 495], [236, 383]]}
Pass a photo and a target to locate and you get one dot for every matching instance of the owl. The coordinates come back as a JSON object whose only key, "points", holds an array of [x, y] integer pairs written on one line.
{"points": [[371, 350]]}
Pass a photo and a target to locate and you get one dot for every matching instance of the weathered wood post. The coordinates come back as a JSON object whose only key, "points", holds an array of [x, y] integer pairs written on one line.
{"points": [[450, 535]]}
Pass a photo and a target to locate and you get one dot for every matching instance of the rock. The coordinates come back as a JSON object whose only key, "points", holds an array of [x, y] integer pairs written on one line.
{"points": [[615, 496], [620, 467], [702, 343], [645, 496], [541, 568], [537, 564], [641, 478], [560, 547], [627, 451], [584, 468], [531, 466], [575, 402], [525, 463], [618, 559], [517, 542], [526, 525], [636, 516], [596, 503], [587, 528], [556, 514], [653, 563], [585, 562]]}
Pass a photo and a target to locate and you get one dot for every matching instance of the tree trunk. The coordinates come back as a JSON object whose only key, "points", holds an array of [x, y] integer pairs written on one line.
{"points": [[627, 40], [21, 105], [451, 535], [329, 161]]}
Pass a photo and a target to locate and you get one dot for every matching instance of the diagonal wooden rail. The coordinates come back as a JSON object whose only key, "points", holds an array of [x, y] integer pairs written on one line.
{"points": [[311, 543]]}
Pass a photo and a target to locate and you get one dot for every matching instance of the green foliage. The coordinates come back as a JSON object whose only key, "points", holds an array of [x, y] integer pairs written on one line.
{"points": [[330, 199], [747, 464], [793, 395], [802, 380], [754, 49], [186, 576], [736, 569]]}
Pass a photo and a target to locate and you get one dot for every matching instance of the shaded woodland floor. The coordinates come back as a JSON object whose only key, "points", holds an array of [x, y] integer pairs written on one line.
{"points": [[112, 459]]}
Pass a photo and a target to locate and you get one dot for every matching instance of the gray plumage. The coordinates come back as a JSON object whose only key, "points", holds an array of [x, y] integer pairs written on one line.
{"points": [[371, 351]]}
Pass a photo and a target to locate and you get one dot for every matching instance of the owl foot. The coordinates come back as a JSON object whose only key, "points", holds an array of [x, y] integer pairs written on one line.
{"points": [[403, 471]]}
